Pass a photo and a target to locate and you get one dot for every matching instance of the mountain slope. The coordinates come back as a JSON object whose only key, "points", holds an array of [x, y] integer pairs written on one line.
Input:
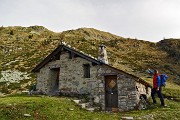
{"points": [[22, 48]]}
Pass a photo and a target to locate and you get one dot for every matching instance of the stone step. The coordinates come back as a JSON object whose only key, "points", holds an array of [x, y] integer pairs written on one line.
{"points": [[85, 105], [77, 101], [90, 109]]}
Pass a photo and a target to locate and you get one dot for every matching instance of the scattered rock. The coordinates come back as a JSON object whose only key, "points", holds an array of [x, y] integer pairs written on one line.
{"points": [[25, 91], [147, 117], [2, 95], [127, 118], [13, 76], [27, 115], [70, 109]]}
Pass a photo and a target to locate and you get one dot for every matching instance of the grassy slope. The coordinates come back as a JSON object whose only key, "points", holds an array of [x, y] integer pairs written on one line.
{"points": [[29, 45], [58, 108]]}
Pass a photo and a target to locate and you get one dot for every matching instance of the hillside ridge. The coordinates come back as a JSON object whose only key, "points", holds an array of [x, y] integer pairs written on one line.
{"points": [[22, 48]]}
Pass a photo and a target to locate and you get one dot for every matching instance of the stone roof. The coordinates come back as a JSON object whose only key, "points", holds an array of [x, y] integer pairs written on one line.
{"points": [[62, 47]]}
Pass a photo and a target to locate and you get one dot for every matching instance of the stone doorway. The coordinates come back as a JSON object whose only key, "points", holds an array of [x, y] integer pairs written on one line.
{"points": [[55, 74]]}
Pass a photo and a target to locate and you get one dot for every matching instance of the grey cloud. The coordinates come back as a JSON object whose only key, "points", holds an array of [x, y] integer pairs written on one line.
{"points": [[144, 19]]}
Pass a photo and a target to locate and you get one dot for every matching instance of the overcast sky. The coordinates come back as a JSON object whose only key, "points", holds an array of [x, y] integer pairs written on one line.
{"points": [[150, 20]]}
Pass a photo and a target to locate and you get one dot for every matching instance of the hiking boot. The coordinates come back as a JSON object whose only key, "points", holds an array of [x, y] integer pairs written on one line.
{"points": [[164, 105], [153, 104]]}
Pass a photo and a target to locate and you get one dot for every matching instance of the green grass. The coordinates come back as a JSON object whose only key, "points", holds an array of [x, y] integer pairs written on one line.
{"points": [[58, 108], [46, 108]]}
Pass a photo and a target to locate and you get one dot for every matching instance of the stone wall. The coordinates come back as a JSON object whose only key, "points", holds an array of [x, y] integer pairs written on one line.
{"points": [[128, 96], [46, 78], [143, 89], [42, 79], [72, 78]]}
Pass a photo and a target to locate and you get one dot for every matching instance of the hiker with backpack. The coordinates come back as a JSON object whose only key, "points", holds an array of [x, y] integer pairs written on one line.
{"points": [[158, 82]]}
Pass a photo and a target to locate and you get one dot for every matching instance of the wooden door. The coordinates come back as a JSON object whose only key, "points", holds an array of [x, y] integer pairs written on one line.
{"points": [[111, 92]]}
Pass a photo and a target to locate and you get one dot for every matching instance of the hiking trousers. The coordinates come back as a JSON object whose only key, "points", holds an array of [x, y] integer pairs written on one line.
{"points": [[159, 93]]}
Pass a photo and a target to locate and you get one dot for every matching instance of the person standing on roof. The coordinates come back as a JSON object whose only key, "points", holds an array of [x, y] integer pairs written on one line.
{"points": [[157, 88]]}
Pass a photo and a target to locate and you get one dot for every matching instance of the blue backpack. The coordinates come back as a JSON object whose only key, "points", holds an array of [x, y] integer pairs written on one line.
{"points": [[164, 78]]}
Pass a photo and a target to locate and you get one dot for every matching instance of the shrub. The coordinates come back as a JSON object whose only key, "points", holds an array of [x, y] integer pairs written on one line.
{"points": [[30, 36], [1, 76], [83, 39], [11, 32], [14, 86], [3, 83], [1, 28], [4, 90]]}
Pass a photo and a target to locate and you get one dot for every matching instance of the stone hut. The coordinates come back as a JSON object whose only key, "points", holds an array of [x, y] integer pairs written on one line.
{"points": [[69, 71]]}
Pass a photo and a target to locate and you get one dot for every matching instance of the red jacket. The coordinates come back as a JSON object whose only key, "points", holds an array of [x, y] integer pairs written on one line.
{"points": [[156, 81]]}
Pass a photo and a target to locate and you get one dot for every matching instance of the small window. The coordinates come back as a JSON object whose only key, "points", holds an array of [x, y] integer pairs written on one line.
{"points": [[70, 55], [86, 70]]}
